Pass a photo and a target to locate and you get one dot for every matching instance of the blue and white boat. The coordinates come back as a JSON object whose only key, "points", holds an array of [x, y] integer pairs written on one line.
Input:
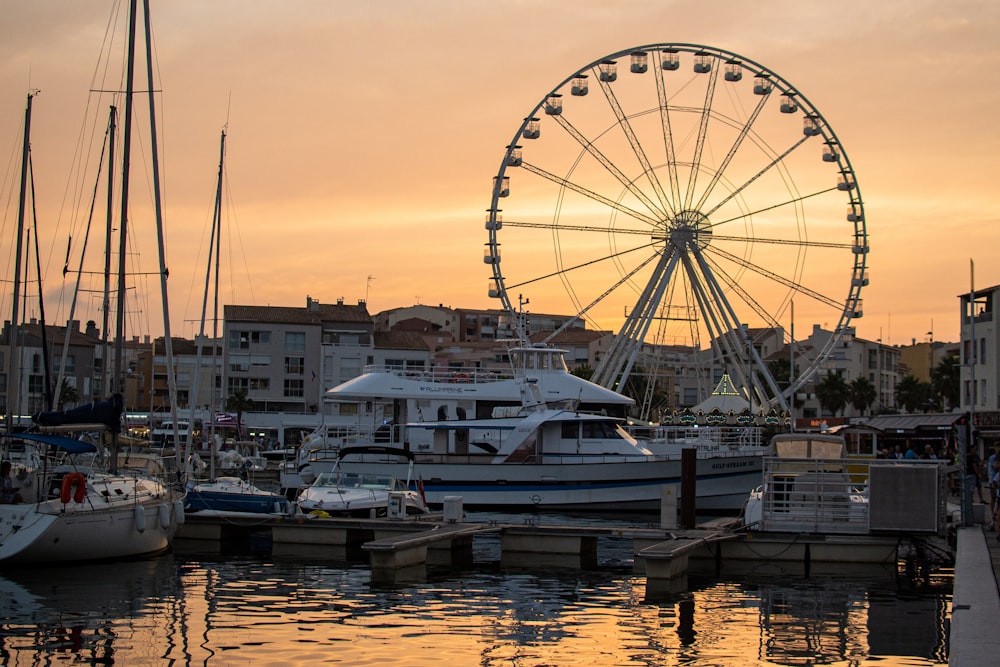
{"points": [[233, 495]]}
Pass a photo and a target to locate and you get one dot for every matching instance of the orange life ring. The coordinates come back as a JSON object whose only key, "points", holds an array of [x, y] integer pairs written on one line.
{"points": [[461, 377], [74, 479]]}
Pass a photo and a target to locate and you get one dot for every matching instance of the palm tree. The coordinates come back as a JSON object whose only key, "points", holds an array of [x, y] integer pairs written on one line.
{"points": [[863, 394], [833, 393], [67, 394], [239, 403], [945, 382], [912, 394]]}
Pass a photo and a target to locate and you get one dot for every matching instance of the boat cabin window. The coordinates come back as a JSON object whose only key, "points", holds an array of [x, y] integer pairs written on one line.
{"points": [[540, 360], [591, 431], [600, 431]]}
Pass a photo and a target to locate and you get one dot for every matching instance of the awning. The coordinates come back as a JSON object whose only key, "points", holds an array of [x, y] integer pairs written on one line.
{"points": [[71, 445]]}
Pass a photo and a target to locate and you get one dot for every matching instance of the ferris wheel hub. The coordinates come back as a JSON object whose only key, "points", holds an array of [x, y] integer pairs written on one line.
{"points": [[690, 229]]}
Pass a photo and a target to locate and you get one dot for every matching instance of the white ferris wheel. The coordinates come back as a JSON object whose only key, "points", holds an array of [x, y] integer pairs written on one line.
{"points": [[686, 198]]}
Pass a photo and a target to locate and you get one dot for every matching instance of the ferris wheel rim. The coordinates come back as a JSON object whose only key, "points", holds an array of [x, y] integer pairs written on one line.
{"points": [[858, 270]]}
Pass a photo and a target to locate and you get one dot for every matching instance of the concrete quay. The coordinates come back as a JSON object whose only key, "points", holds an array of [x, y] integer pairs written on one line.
{"points": [[975, 604]]}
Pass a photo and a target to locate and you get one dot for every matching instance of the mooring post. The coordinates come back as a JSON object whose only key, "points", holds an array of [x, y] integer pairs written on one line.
{"points": [[689, 472], [668, 506]]}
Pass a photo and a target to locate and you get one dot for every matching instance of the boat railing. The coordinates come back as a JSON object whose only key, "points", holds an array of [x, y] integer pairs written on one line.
{"points": [[812, 495], [444, 375], [722, 437], [853, 496]]}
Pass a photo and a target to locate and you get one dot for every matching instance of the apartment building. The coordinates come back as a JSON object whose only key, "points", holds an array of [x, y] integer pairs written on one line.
{"points": [[285, 358], [23, 378], [980, 354]]}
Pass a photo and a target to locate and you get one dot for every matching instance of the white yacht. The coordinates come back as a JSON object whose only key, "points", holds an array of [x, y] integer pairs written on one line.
{"points": [[537, 437]]}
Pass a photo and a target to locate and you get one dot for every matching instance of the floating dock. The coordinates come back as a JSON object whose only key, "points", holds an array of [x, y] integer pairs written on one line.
{"points": [[396, 546]]}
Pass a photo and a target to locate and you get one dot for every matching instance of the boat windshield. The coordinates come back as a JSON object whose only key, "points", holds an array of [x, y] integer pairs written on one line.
{"points": [[353, 480], [538, 359]]}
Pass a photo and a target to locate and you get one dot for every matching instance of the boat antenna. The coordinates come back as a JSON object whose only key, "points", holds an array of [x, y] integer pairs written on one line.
{"points": [[522, 319]]}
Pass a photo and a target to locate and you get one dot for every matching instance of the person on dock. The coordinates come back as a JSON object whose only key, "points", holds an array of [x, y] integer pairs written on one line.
{"points": [[973, 473], [993, 475], [8, 492]]}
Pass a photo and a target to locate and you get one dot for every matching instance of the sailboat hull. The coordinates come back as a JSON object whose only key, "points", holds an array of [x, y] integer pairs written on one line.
{"points": [[40, 533], [228, 494]]}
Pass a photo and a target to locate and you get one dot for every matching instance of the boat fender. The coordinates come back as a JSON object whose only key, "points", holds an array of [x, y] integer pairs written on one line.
{"points": [[179, 512], [165, 516], [74, 484], [140, 518]]}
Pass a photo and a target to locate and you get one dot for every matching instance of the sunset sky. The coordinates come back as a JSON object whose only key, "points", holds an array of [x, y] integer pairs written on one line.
{"points": [[363, 136]]}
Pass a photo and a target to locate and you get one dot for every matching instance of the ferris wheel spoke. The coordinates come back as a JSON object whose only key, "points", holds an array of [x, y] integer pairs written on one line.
{"points": [[787, 202], [706, 114], [633, 140], [781, 280], [579, 189], [668, 135], [583, 311], [800, 243], [733, 284], [583, 265], [559, 227], [724, 165], [608, 165], [768, 167]]}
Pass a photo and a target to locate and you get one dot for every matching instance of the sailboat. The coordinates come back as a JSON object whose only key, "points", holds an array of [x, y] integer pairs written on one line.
{"points": [[77, 505], [227, 494]]}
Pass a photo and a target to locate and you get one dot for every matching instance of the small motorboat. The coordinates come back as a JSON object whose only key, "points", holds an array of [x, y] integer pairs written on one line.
{"points": [[359, 494]]}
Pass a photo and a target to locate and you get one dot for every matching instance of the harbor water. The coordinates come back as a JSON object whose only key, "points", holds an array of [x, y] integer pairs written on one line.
{"points": [[250, 604]]}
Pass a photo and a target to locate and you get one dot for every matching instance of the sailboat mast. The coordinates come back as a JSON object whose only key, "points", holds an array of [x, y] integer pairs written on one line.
{"points": [[118, 382], [216, 239], [109, 231], [215, 302], [13, 363], [168, 341], [47, 373]]}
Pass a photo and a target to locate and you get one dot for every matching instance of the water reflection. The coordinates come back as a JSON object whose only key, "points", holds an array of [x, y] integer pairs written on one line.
{"points": [[263, 608], [88, 610]]}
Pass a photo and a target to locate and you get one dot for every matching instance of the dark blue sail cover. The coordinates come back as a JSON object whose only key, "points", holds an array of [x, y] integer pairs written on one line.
{"points": [[108, 413]]}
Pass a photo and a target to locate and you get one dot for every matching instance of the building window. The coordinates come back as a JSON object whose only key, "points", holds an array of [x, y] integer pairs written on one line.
{"points": [[294, 388], [295, 365], [247, 385], [70, 363], [242, 340], [295, 341], [690, 396]]}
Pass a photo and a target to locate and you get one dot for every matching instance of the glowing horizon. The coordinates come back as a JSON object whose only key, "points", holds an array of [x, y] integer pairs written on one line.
{"points": [[347, 161]]}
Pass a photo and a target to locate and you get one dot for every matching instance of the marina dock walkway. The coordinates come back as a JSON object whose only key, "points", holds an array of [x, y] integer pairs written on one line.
{"points": [[974, 639]]}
